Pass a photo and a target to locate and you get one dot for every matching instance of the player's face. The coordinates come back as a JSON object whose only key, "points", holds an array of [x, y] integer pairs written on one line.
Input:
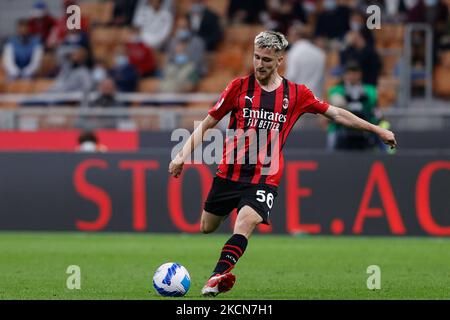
{"points": [[265, 63]]}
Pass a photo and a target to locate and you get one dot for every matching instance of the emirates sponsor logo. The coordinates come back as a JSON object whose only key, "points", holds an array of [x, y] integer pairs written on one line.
{"points": [[258, 145], [263, 114]]}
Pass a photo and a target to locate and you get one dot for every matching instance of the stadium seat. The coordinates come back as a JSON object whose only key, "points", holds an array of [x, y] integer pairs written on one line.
{"points": [[149, 85], [441, 82], [105, 36], [390, 60], [48, 65], [182, 6], [230, 58], [41, 85], [445, 58], [124, 35], [241, 35], [390, 36], [98, 12], [215, 83], [200, 105], [387, 91], [2, 80], [103, 53], [19, 86], [220, 7]]}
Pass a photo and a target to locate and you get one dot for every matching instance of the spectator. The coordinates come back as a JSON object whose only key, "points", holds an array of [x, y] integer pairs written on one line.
{"points": [[89, 142], [434, 13], [106, 97], [305, 62], [41, 22], [358, 98], [206, 24], [59, 30], [181, 74], [73, 40], [248, 11], [107, 94], [22, 53], [395, 11], [155, 23], [282, 14], [333, 21], [358, 23], [195, 46], [99, 72], [357, 49], [74, 74], [124, 73], [140, 55], [443, 42], [123, 12]]}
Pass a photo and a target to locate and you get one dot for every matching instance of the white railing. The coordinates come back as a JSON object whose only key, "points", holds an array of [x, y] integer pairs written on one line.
{"points": [[169, 111]]}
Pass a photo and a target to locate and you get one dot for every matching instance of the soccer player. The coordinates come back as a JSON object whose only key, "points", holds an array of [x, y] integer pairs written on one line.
{"points": [[270, 105]]}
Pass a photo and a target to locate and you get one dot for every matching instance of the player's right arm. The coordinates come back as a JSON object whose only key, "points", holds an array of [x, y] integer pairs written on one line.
{"points": [[348, 119], [176, 165], [224, 105]]}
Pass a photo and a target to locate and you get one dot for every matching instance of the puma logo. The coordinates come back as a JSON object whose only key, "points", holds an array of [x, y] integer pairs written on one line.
{"points": [[251, 99]]}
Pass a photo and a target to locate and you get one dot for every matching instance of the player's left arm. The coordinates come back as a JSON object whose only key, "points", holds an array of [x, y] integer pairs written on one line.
{"points": [[348, 119]]}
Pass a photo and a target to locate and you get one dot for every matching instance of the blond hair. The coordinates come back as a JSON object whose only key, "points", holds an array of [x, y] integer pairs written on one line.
{"points": [[272, 40]]}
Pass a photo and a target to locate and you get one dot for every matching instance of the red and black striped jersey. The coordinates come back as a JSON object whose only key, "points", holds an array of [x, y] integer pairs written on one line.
{"points": [[260, 122]]}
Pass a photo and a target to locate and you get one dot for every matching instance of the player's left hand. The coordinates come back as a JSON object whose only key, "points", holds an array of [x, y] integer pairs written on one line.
{"points": [[388, 137], [175, 167]]}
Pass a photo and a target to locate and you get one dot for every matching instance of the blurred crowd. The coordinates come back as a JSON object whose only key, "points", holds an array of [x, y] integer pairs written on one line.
{"points": [[186, 39]]}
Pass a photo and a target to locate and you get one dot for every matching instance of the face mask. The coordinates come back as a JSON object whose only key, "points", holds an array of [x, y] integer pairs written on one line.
{"points": [[430, 3], [309, 6], [355, 26], [98, 74], [88, 146], [329, 4], [183, 34], [181, 59], [121, 60]]}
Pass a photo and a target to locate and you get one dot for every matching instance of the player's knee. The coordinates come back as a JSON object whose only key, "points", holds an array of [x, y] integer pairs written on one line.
{"points": [[205, 227]]}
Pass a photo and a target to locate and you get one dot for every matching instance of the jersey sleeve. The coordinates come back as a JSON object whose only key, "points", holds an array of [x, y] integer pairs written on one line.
{"points": [[226, 101], [309, 103]]}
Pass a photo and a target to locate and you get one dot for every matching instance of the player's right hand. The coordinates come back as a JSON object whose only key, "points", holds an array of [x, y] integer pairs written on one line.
{"points": [[175, 167], [387, 137]]}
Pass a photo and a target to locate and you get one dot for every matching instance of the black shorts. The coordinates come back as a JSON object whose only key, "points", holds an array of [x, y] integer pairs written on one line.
{"points": [[225, 195]]}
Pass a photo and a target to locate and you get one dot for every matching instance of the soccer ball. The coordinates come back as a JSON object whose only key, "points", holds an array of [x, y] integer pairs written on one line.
{"points": [[171, 280]]}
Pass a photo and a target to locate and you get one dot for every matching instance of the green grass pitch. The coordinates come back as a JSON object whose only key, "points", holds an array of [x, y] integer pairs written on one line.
{"points": [[121, 266]]}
